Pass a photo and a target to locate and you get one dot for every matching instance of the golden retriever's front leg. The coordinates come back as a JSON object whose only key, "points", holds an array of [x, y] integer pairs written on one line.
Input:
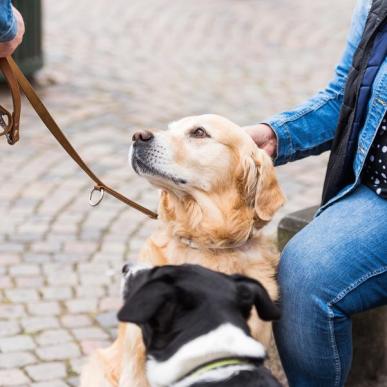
{"points": [[260, 330], [133, 371], [93, 373], [120, 365]]}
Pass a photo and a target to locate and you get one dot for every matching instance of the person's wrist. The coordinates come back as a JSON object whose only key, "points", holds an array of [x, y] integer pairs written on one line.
{"points": [[264, 136]]}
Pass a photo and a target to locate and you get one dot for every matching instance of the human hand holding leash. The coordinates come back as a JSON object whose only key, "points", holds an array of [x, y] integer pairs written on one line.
{"points": [[7, 48]]}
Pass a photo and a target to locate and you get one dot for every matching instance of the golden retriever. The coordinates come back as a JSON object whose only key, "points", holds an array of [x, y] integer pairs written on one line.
{"points": [[218, 189]]}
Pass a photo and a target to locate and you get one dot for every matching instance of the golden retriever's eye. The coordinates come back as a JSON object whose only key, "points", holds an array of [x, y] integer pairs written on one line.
{"points": [[199, 133]]}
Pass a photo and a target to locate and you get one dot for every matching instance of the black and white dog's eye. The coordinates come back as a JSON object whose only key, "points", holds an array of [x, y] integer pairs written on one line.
{"points": [[199, 133]]}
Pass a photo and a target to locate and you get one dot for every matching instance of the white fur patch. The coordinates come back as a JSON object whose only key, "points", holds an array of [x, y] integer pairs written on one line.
{"points": [[225, 341], [216, 375]]}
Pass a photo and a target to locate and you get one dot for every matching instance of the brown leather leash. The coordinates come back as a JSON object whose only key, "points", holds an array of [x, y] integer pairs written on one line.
{"points": [[10, 128]]}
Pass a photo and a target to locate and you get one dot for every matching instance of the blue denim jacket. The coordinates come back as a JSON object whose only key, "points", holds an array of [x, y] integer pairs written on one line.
{"points": [[8, 25], [309, 129]]}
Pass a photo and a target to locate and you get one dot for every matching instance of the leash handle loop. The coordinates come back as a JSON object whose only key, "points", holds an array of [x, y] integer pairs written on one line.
{"points": [[16, 78]]}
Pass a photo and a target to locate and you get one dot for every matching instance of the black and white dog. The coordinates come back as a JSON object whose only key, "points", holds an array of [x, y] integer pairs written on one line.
{"points": [[194, 326]]}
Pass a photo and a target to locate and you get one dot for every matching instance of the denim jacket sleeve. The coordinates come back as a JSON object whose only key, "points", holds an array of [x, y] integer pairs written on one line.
{"points": [[309, 129], [8, 27]]}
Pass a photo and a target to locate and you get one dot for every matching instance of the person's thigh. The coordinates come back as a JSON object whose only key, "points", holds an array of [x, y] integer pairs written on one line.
{"points": [[333, 268]]}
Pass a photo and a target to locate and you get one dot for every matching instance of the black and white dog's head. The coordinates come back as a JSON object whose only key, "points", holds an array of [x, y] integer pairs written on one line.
{"points": [[190, 315]]}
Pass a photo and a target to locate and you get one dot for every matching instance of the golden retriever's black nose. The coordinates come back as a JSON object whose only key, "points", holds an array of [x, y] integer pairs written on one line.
{"points": [[142, 136]]}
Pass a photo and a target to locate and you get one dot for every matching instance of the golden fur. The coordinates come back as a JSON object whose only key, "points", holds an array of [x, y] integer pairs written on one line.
{"points": [[217, 226]]}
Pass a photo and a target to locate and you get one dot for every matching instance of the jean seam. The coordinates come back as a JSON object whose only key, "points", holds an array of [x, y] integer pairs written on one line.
{"points": [[335, 300], [357, 283], [334, 346]]}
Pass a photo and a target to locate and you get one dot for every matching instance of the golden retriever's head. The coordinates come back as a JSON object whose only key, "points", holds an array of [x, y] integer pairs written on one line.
{"points": [[216, 183]]}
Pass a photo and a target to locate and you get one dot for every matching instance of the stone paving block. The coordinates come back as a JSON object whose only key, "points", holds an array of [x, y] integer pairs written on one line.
{"points": [[58, 352], [24, 270], [9, 311], [5, 282], [56, 293], [78, 247], [76, 320], [9, 328], [89, 333], [74, 381], [62, 279], [110, 303], [22, 295], [51, 383], [29, 282], [16, 359], [37, 258], [70, 258], [115, 294], [53, 337], [44, 308], [16, 343], [7, 258], [36, 324], [93, 268], [85, 291], [82, 305], [46, 371], [9, 247], [94, 279], [13, 377], [48, 247], [112, 247], [52, 268], [108, 319]]}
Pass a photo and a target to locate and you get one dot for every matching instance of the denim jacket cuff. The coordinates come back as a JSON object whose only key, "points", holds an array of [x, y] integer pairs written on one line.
{"points": [[284, 140], [9, 34]]}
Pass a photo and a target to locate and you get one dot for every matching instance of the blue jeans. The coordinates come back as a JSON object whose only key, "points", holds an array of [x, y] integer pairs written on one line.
{"points": [[335, 267]]}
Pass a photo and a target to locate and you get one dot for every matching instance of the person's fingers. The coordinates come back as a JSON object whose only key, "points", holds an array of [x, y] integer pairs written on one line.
{"points": [[270, 148], [256, 134], [7, 48], [20, 26], [264, 136]]}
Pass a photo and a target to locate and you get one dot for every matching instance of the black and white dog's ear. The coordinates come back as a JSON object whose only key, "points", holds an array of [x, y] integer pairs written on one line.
{"points": [[251, 292], [145, 302]]}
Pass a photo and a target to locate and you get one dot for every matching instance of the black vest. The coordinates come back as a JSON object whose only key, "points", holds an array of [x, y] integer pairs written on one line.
{"points": [[340, 166]]}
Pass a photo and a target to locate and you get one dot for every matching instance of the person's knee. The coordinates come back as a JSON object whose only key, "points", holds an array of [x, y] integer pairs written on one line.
{"points": [[301, 272], [296, 261]]}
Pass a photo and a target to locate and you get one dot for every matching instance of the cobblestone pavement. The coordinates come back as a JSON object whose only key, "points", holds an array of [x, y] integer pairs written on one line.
{"points": [[109, 69]]}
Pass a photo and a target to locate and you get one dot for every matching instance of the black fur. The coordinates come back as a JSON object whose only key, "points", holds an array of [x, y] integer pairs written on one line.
{"points": [[175, 304]]}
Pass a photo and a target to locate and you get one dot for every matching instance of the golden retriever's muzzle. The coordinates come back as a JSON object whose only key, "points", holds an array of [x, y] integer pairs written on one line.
{"points": [[146, 159]]}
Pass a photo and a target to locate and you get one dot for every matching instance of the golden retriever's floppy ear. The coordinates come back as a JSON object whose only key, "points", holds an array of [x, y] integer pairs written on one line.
{"points": [[268, 196]]}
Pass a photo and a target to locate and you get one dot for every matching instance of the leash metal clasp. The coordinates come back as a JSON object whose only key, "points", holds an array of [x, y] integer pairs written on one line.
{"points": [[5, 126], [101, 195]]}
